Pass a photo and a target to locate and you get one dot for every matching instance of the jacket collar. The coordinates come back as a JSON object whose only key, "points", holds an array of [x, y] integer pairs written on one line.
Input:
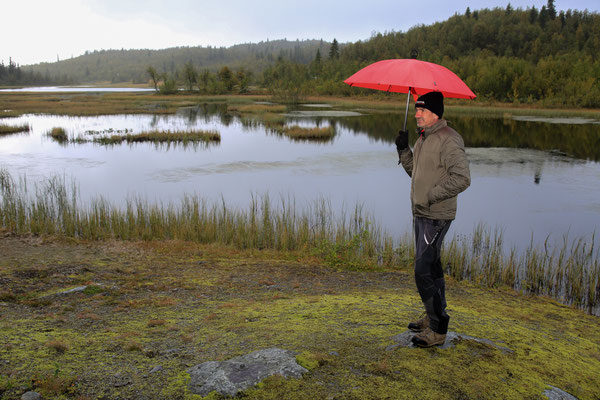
{"points": [[430, 130]]}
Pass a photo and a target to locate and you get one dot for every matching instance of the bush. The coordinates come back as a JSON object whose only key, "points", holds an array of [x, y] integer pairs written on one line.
{"points": [[169, 86]]}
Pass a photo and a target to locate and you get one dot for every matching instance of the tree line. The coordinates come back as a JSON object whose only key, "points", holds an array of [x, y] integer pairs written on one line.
{"points": [[534, 56], [222, 82], [503, 54], [117, 66], [13, 75]]}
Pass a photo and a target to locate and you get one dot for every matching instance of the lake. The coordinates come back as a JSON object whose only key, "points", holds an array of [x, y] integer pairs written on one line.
{"points": [[535, 178], [79, 89]]}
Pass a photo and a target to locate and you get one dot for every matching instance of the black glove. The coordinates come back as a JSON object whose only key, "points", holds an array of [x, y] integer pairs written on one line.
{"points": [[402, 140]]}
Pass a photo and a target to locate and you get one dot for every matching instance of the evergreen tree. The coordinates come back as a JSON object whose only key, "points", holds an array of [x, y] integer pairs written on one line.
{"points": [[533, 14], [316, 66], [334, 50], [543, 17], [551, 9]]}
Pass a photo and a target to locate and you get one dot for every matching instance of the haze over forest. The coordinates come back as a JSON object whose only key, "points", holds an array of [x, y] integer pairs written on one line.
{"points": [[513, 55]]}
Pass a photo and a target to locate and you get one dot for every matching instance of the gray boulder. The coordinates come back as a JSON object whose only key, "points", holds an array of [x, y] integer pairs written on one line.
{"points": [[555, 393], [240, 373], [31, 396]]}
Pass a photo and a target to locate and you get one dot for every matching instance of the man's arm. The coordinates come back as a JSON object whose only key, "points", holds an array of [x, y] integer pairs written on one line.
{"points": [[458, 175], [404, 153], [406, 159]]}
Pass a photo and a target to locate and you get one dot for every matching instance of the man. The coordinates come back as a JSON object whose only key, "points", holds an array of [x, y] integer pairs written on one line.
{"points": [[439, 171]]}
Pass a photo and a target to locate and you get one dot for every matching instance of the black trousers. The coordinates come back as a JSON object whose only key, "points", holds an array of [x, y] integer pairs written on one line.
{"points": [[429, 274]]}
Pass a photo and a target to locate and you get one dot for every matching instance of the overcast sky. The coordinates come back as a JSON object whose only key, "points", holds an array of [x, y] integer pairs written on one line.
{"points": [[34, 31]]}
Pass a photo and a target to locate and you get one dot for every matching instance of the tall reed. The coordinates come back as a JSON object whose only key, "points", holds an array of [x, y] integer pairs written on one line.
{"points": [[54, 208], [569, 271]]}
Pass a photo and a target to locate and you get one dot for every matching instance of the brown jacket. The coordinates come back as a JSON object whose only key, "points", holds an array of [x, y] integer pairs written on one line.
{"points": [[439, 170]]}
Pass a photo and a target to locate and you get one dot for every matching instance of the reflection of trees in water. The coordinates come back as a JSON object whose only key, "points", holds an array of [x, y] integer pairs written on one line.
{"points": [[381, 127], [165, 146], [205, 112], [537, 177], [575, 140], [579, 141]]}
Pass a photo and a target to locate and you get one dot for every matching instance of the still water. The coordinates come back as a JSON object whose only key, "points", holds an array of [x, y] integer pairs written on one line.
{"points": [[80, 89], [531, 178]]}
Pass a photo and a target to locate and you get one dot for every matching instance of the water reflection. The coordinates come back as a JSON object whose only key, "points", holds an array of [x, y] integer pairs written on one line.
{"points": [[534, 179]]}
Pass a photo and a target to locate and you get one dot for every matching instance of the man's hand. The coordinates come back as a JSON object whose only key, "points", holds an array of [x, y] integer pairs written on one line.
{"points": [[402, 140]]}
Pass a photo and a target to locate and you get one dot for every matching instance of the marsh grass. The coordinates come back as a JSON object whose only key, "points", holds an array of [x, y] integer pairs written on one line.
{"points": [[162, 137], [351, 239], [8, 129], [108, 103], [55, 384], [53, 207], [59, 134], [57, 345], [304, 133], [9, 114], [569, 272]]}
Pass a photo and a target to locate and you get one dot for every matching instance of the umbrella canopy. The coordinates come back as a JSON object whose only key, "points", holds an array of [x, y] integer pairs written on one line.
{"points": [[420, 77], [411, 76]]}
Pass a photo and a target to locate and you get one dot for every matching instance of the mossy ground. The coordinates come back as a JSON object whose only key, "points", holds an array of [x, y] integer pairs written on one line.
{"points": [[154, 309]]}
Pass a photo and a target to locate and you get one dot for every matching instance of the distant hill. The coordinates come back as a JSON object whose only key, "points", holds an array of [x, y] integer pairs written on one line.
{"points": [[130, 65]]}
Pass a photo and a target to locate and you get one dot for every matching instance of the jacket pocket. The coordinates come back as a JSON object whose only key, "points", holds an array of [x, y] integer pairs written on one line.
{"points": [[421, 200]]}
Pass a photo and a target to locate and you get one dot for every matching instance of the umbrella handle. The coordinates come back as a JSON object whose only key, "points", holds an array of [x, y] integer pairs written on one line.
{"points": [[406, 113]]}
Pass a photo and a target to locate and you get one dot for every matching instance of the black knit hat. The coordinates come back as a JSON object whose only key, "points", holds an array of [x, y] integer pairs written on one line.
{"points": [[433, 101]]}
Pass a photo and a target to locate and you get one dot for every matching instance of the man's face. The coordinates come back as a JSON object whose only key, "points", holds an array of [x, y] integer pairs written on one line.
{"points": [[425, 118]]}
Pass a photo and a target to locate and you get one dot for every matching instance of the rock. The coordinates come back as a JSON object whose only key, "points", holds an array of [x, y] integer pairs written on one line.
{"points": [[120, 380], [73, 290], [405, 340], [555, 393], [156, 369], [239, 373], [31, 396]]}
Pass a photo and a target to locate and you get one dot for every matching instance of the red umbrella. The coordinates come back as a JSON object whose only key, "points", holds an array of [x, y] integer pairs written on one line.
{"points": [[411, 76]]}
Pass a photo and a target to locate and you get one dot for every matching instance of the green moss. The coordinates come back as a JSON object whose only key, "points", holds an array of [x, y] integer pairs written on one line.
{"points": [[178, 388], [339, 322], [307, 360], [93, 289]]}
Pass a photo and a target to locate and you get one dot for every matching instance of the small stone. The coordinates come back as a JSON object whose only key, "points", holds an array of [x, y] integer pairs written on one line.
{"points": [[31, 396], [74, 290], [121, 380], [156, 369]]}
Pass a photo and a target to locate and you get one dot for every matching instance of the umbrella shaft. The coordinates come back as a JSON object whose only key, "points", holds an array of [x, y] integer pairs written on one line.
{"points": [[406, 113]]}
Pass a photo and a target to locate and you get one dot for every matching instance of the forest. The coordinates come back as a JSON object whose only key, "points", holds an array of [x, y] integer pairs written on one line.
{"points": [[520, 56], [13, 75]]}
